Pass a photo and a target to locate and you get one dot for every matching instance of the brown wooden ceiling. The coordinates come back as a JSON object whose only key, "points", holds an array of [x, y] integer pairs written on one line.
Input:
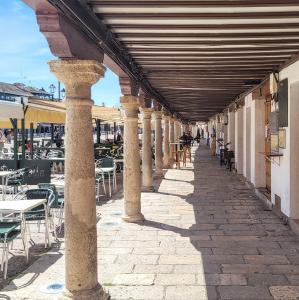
{"points": [[200, 55]]}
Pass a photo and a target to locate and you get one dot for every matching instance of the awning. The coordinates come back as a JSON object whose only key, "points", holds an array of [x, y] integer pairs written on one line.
{"points": [[41, 115], [43, 111], [11, 110]]}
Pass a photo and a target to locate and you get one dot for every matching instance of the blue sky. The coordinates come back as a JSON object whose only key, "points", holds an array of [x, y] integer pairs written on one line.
{"points": [[24, 54]]}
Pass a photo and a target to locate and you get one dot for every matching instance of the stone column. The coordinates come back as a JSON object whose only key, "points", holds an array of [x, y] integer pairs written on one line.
{"points": [[171, 140], [158, 144], [218, 134], [81, 278], [147, 161], [176, 133], [231, 129], [132, 174], [239, 140], [166, 141]]}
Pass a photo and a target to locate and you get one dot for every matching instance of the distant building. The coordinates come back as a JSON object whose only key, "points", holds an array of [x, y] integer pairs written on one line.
{"points": [[12, 92]]}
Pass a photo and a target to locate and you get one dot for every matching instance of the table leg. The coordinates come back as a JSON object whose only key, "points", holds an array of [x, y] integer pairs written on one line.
{"points": [[109, 184], [47, 239]]}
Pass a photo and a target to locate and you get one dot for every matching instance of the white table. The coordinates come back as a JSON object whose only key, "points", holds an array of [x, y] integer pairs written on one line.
{"points": [[20, 206], [4, 175]]}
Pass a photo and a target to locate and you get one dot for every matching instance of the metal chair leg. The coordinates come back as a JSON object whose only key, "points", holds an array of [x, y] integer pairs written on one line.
{"points": [[6, 260], [3, 256]]}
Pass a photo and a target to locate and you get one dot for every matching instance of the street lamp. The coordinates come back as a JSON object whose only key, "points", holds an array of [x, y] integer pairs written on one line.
{"points": [[52, 88], [62, 93]]}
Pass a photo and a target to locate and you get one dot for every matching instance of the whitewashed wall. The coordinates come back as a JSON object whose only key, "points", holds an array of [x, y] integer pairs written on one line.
{"points": [[280, 179], [247, 137]]}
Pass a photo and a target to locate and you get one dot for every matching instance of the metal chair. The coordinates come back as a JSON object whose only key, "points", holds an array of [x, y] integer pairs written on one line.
{"points": [[107, 166], [40, 213], [100, 181], [14, 181], [9, 231], [58, 204]]}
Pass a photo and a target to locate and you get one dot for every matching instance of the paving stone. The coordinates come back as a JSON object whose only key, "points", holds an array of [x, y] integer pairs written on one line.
{"points": [[153, 269], [175, 279], [293, 279], [156, 250], [197, 269], [266, 279], [106, 258], [235, 250], [180, 259], [244, 268], [191, 293], [193, 250], [137, 259], [115, 268], [284, 269], [244, 293], [278, 251], [108, 251], [294, 259], [134, 244], [266, 259], [285, 292], [136, 292], [134, 279], [222, 259], [222, 279]]}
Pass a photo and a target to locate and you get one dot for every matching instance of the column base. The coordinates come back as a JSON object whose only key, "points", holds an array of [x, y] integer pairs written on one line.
{"points": [[147, 189], [134, 219], [159, 175], [92, 294]]}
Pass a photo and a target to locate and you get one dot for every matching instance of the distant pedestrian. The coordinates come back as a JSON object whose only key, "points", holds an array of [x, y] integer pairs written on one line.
{"points": [[119, 138], [2, 140], [9, 136]]}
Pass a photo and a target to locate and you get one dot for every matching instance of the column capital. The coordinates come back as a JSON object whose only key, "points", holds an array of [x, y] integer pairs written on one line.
{"points": [[77, 71], [165, 116], [158, 114], [131, 105], [146, 112]]}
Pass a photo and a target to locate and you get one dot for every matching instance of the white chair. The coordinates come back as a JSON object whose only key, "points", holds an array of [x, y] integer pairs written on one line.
{"points": [[106, 166]]}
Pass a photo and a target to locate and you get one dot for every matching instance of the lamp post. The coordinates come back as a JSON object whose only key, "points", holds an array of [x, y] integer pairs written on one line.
{"points": [[52, 88], [62, 93]]}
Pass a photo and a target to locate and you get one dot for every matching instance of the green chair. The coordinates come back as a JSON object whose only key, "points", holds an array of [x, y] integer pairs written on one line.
{"points": [[58, 201], [9, 231], [58, 204]]}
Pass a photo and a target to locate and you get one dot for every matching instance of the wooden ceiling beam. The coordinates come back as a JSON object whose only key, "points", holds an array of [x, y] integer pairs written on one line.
{"points": [[199, 3], [201, 16]]}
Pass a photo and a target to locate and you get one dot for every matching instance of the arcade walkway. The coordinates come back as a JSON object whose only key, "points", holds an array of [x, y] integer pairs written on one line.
{"points": [[207, 236]]}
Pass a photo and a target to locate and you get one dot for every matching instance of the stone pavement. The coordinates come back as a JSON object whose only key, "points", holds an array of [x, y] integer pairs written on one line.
{"points": [[206, 236]]}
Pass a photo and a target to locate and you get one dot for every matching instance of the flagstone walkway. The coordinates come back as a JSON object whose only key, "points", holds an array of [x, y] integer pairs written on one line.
{"points": [[206, 236]]}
